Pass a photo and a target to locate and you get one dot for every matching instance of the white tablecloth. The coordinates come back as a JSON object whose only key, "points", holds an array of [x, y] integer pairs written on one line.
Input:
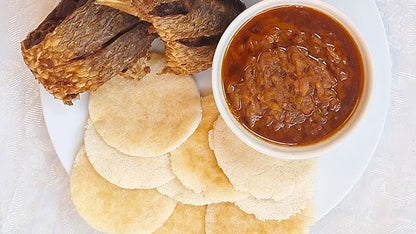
{"points": [[34, 187]]}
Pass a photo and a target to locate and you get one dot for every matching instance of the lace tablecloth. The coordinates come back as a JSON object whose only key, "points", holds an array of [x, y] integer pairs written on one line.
{"points": [[34, 187]]}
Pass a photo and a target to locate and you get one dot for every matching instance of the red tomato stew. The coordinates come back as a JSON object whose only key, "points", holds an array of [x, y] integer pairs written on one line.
{"points": [[292, 75]]}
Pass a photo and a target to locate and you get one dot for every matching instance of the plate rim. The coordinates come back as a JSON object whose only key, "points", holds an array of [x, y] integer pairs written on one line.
{"points": [[45, 101]]}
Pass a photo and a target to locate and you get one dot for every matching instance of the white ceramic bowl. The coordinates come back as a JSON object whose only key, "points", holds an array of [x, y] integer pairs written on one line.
{"points": [[278, 150]]}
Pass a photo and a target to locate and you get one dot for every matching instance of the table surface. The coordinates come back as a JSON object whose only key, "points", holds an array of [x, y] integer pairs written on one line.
{"points": [[34, 187]]}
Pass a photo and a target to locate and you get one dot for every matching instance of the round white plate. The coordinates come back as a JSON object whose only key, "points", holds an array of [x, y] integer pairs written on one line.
{"points": [[339, 170]]}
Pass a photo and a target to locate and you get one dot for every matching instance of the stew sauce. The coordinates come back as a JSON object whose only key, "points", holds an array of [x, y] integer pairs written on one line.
{"points": [[292, 75]]}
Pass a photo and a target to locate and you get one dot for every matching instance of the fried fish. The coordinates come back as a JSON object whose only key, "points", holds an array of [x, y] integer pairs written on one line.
{"points": [[190, 29], [81, 45]]}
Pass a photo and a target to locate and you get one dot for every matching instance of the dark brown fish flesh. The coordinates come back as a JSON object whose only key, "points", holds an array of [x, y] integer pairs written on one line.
{"points": [[81, 45], [190, 29]]}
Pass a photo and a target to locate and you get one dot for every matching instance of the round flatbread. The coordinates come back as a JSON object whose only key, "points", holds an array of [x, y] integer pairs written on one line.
{"points": [[112, 209], [123, 170], [185, 219], [226, 218], [149, 117], [249, 171], [194, 163], [269, 209], [175, 190]]}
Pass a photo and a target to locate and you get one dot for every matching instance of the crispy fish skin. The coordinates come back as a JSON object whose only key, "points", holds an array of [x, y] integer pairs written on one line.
{"points": [[177, 56], [178, 20], [84, 48], [138, 8], [205, 18]]}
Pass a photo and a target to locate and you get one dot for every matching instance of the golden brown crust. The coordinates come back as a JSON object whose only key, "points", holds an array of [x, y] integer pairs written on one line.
{"points": [[181, 59], [205, 18], [184, 20], [74, 58], [81, 45]]}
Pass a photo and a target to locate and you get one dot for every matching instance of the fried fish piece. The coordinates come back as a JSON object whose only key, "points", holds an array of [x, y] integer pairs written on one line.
{"points": [[190, 29], [188, 59], [81, 45]]}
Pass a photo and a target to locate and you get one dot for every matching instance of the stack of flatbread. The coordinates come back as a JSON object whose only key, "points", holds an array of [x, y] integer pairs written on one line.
{"points": [[158, 158]]}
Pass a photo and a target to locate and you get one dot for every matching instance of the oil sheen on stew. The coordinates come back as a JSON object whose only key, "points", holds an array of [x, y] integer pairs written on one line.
{"points": [[292, 75]]}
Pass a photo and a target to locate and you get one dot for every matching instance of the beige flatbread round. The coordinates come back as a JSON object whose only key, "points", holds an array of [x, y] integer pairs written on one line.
{"points": [[252, 172], [194, 163], [149, 117], [185, 219], [123, 170], [226, 218], [269, 209], [177, 191], [112, 209]]}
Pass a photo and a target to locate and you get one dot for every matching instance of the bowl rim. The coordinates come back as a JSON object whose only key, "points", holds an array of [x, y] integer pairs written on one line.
{"points": [[278, 150]]}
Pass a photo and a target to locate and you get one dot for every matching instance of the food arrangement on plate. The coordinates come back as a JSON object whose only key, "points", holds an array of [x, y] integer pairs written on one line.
{"points": [[159, 158], [173, 150]]}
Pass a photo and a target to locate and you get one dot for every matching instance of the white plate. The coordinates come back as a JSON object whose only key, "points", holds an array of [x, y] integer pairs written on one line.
{"points": [[339, 170]]}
